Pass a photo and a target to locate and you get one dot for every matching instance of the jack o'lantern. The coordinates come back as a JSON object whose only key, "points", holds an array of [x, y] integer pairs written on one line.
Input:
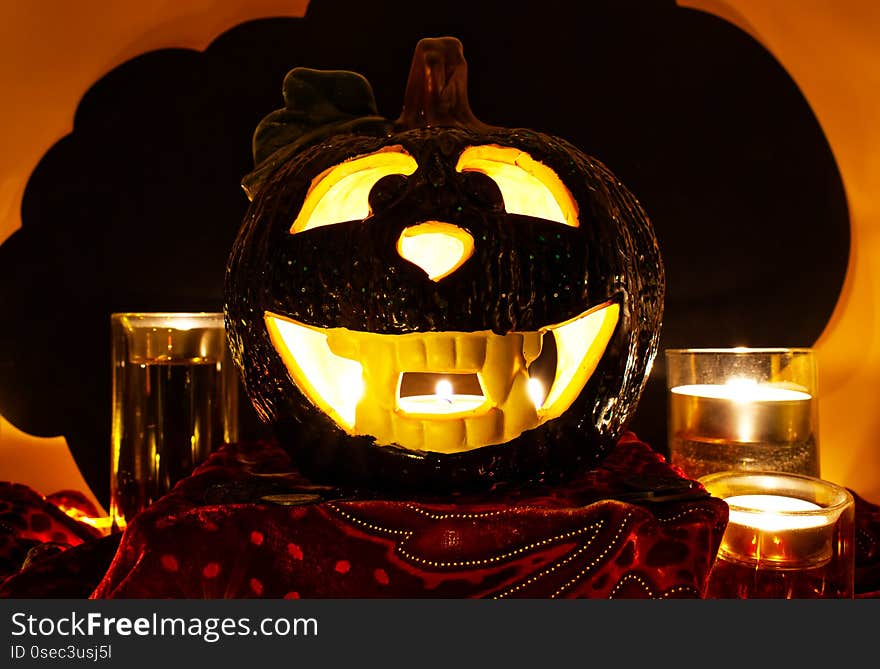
{"points": [[432, 302]]}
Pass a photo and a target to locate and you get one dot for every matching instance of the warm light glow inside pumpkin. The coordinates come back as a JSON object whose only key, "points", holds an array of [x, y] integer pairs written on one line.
{"points": [[536, 392], [356, 378], [333, 382], [528, 187], [438, 248], [341, 193]]}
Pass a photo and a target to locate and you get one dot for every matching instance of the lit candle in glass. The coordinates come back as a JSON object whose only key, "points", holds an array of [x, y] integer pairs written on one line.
{"points": [[774, 529], [742, 409], [787, 536]]}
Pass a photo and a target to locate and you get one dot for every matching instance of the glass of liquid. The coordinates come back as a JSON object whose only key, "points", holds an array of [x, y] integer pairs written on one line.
{"points": [[175, 399]]}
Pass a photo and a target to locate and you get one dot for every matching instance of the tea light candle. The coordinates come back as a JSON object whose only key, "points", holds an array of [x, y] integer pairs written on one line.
{"points": [[741, 410], [443, 401], [777, 531], [788, 536]]}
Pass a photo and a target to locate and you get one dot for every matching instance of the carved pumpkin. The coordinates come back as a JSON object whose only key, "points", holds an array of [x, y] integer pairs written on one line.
{"points": [[432, 302]]}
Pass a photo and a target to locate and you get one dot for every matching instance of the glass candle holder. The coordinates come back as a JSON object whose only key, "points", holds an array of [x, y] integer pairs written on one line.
{"points": [[742, 409], [175, 399], [788, 536]]}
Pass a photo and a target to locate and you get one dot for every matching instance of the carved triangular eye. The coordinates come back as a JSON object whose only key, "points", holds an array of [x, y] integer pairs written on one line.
{"points": [[527, 186], [342, 192]]}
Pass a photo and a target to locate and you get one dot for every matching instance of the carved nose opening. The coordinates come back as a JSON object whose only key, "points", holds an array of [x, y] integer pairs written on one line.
{"points": [[438, 248]]}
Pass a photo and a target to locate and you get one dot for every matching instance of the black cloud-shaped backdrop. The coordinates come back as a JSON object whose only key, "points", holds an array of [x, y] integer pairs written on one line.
{"points": [[138, 207]]}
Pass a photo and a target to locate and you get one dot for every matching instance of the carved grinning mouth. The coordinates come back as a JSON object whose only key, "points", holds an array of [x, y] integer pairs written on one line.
{"points": [[442, 391]]}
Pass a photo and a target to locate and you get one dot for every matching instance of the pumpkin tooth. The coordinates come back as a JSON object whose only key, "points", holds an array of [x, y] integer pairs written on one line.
{"points": [[379, 356], [407, 430], [450, 433], [373, 417], [470, 350], [580, 343], [335, 384], [411, 354], [531, 346], [486, 429], [340, 343], [503, 360], [439, 351], [520, 412]]}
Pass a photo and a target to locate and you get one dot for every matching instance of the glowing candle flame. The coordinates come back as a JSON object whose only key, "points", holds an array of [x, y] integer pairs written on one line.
{"points": [[741, 390], [536, 392], [443, 390]]}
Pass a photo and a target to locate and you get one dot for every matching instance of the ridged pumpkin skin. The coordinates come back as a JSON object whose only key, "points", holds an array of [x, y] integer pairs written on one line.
{"points": [[525, 273]]}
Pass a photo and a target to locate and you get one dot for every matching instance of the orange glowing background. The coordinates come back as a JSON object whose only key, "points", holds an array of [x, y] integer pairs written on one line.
{"points": [[43, 80], [829, 47]]}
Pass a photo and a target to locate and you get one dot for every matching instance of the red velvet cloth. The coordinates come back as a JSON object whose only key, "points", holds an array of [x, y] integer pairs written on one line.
{"points": [[33, 527], [571, 541], [867, 575], [245, 525]]}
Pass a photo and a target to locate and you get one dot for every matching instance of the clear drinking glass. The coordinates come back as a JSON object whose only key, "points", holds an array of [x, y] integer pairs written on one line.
{"points": [[175, 399], [742, 409], [788, 537]]}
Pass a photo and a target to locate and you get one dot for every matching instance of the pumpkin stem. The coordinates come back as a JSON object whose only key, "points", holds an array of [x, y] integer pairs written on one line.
{"points": [[436, 91]]}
